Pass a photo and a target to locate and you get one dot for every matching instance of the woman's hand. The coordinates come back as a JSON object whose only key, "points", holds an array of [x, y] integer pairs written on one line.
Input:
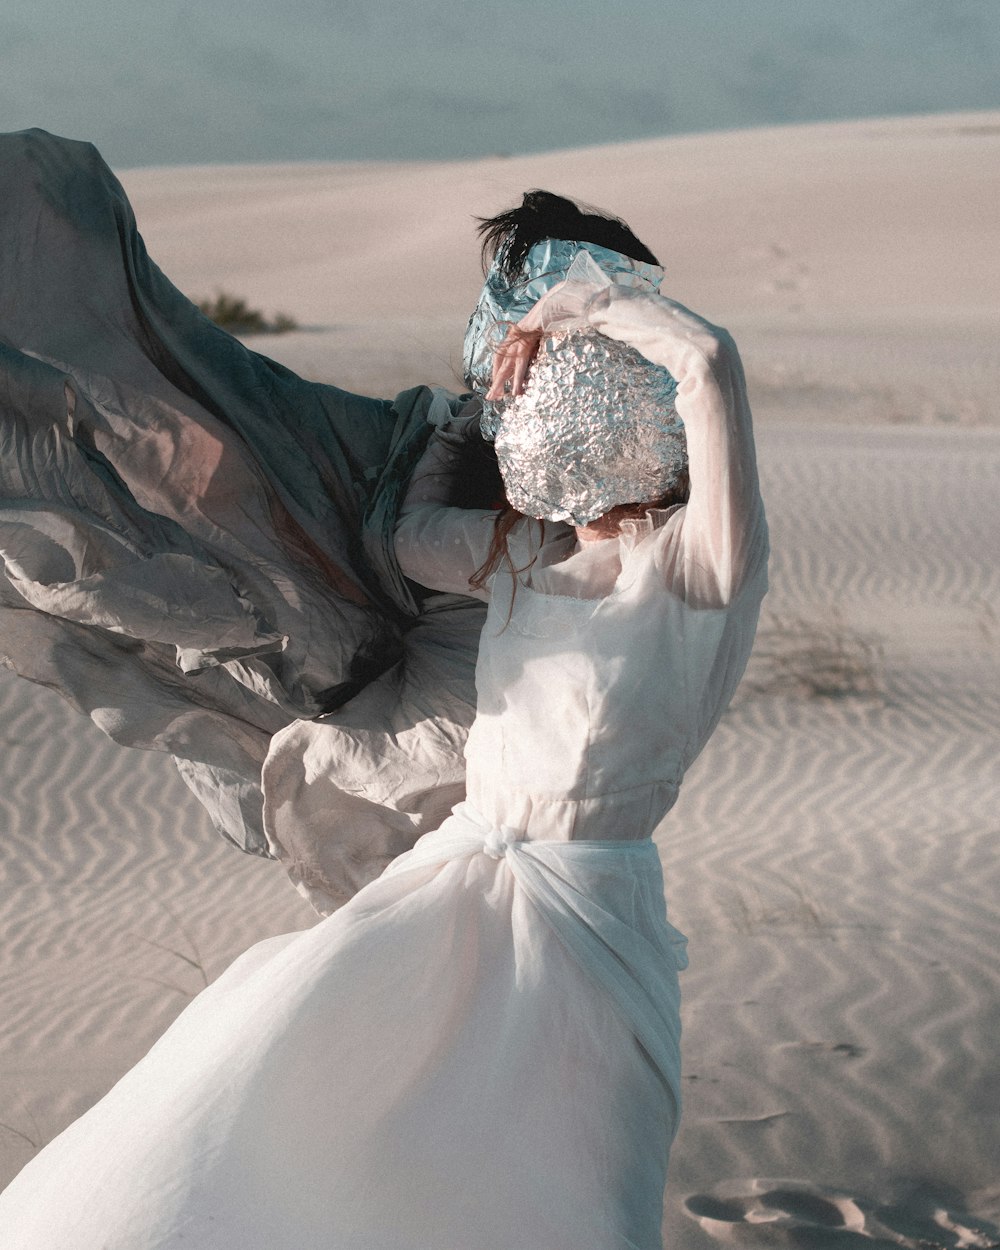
{"points": [[511, 362]]}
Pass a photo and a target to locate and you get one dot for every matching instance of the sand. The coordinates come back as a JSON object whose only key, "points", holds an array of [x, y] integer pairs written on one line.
{"points": [[833, 854]]}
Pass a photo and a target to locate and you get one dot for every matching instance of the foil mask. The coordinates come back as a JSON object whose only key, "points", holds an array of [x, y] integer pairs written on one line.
{"points": [[595, 427]]}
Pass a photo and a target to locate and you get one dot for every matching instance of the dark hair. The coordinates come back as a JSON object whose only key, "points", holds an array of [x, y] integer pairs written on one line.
{"points": [[543, 215], [499, 553]]}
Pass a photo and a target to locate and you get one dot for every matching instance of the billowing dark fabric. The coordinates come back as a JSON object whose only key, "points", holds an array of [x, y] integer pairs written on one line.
{"points": [[195, 542]]}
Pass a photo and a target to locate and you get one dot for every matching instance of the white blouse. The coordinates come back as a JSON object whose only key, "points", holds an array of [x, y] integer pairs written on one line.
{"points": [[603, 669]]}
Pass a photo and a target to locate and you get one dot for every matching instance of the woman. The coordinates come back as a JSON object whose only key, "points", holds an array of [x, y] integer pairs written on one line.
{"points": [[481, 1048]]}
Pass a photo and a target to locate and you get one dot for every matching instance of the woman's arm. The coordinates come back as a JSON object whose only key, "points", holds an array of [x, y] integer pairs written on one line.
{"points": [[439, 546], [722, 531]]}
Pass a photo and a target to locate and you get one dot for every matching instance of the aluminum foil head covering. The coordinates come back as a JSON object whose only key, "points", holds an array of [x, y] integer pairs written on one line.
{"points": [[595, 427], [502, 302]]}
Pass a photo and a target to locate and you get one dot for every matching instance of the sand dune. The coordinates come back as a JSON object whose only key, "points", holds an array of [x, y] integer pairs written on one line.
{"points": [[856, 262], [833, 855]]}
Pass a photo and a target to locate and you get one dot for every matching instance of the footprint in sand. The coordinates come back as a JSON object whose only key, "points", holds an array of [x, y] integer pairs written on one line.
{"points": [[813, 1217], [782, 276]]}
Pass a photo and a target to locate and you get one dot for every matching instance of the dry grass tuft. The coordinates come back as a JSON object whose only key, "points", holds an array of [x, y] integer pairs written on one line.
{"points": [[796, 910], [815, 660], [32, 1139], [235, 315], [191, 958]]}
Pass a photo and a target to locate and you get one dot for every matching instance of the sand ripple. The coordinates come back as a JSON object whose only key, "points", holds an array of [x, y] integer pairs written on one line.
{"points": [[117, 901], [833, 858]]}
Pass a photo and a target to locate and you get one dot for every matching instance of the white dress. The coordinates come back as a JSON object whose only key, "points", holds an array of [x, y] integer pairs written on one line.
{"points": [[481, 1049]]}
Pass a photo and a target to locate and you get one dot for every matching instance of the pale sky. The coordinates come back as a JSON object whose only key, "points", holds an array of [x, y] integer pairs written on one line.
{"points": [[182, 81]]}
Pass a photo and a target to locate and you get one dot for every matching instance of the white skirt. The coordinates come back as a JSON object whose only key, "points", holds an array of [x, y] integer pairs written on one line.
{"points": [[479, 1051]]}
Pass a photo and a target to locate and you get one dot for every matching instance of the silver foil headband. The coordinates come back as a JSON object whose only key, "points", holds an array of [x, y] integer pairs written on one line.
{"points": [[547, 263]]}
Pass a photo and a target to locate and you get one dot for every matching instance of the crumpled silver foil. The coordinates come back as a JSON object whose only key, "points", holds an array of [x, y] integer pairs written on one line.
{"points": [[596, 426]]}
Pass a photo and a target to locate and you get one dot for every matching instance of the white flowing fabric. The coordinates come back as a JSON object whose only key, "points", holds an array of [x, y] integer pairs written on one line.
{"points": [[635, 967], [481, 1049], [437, 1065]]}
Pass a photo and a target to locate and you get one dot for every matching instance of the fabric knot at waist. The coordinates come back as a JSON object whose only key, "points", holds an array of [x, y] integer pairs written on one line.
{"points": [[498, 841], [467, 832], [602, 899]]}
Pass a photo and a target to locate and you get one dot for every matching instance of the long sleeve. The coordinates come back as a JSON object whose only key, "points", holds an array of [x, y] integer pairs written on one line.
{"points": [[719, 538], [721, 532], [438, 546]]}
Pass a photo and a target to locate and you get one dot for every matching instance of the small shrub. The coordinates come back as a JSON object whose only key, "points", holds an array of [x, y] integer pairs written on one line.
{"points": [[752, 913], [235, 315], [815, 660]]}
